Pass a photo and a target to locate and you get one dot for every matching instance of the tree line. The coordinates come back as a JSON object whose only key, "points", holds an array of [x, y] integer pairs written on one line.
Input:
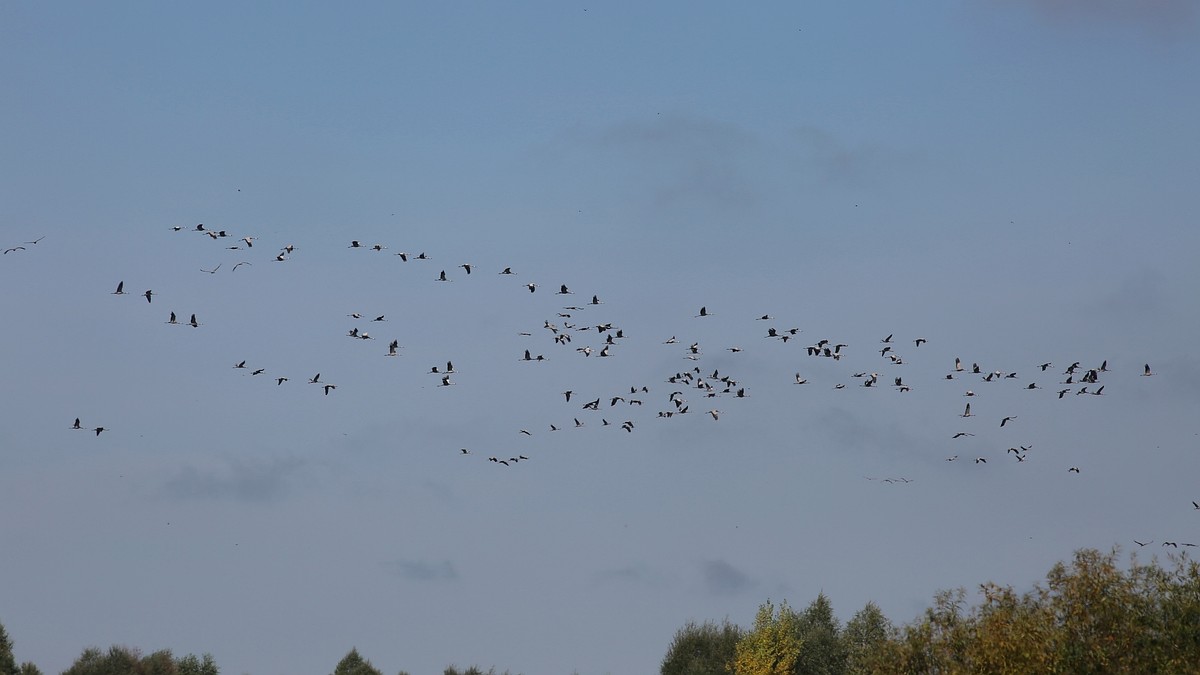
{"points": [[1088, 616]]}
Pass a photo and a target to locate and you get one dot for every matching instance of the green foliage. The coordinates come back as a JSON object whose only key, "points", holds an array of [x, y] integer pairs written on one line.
{"points": [[28, 668], [194, 665], [702, 649], [118, 660], [121, 660], [1089, 616], [820, 633], [773, 646], [8, 662], [864, 637], [353, 664]]}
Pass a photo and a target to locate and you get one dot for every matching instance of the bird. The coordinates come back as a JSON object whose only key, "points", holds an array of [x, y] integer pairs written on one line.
{"points": [[446, 381], [1073, 469], [329, 388], [315, 379], [1147, 372], [76, 425], [1007, 419], [563, 290], [800, 380], [703, 312], [172, 320], [194, 323], [392, 347], [715, 413], [240, 364], [249, 241], [99, 429], [121, 291], [148, 295], [14, 248], [967, 412], [442, 276], [531, 286], [279, 258], [466, 266], [1140, 543], [507, 270], [213, 270], [961, 434], [280, 380]]}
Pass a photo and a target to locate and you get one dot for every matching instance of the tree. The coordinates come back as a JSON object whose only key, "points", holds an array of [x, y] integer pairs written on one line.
{"points": [[773, 646], [863, 637], [702, 649], [28, 668], [8, 662], [353, 664], [193, 665], [118, 660], [823, 653]]}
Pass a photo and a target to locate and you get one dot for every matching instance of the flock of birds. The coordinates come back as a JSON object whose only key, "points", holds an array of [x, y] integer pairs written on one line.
{"points": [[693, 384]]}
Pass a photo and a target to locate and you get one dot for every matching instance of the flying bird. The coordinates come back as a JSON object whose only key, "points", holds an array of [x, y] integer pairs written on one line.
{"points": [[213, 270], [121, 291], [148, 295]]}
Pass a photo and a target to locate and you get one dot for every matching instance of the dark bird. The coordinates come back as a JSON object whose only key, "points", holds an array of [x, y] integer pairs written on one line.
{"points": [[240, 364], [76, 425], [507, 270], [1139, 543], [212, 271], [280, 380], [14, 248], [279, 258], [467, 267], [194, 323], [961, 434], [148, 295], [1073, 469], [173, 320], [329, 388], [703, 312], [121, 291], [1145, 373], [442, 276], [99, 429], [967, 412], [567, 394], [1006, 419], [316, 379], [392, 347], [446, 381], [562, 290]]}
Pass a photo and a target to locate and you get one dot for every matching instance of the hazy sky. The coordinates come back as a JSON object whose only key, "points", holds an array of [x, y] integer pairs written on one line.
{"points": [[1015, 182]]}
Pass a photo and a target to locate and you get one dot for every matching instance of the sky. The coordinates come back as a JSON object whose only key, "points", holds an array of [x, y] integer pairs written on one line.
{"points": [[1013, 182]]}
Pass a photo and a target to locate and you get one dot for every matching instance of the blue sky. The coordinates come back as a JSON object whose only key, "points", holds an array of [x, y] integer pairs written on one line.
{"points": [[1014, 182]]}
